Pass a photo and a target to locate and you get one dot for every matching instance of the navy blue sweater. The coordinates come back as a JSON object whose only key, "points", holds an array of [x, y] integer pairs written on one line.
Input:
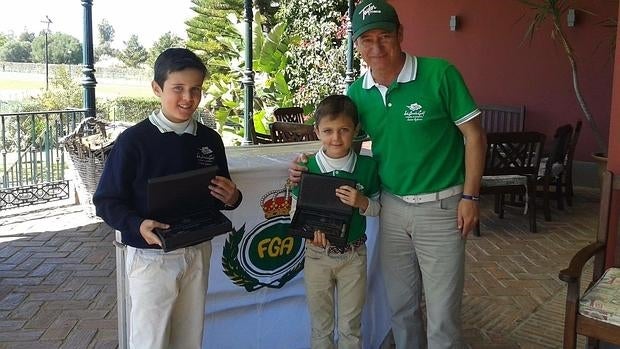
{"points": [[142, 152]]}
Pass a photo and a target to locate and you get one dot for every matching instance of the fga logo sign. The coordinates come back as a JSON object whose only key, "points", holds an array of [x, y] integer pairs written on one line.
{"points": [[266, 256]]}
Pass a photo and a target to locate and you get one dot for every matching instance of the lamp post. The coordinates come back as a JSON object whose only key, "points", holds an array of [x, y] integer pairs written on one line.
{"points": [[350, 73], [47, 21], [248, 76], [88, 66]]}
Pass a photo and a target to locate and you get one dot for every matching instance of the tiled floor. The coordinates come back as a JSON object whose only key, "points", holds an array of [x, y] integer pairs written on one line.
{"points": [[57, 278]]}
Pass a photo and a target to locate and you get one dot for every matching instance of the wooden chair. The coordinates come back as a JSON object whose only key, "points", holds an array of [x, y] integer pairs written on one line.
{"points": [[567, 177], [501, 118], [284, 132], [552, 168], [511, 167], [290, 114], [259, 138], [579, 317]]}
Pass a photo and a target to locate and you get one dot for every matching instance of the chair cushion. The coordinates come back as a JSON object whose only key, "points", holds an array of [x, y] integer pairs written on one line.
{"points": [[602, 301], [556, 168], [497, 181]]}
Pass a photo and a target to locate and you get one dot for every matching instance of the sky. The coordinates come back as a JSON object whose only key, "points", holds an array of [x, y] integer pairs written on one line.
{"points": [[127, 17]]}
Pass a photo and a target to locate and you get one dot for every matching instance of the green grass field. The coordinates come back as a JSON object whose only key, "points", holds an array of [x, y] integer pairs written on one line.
{"points": [[28, 84]]}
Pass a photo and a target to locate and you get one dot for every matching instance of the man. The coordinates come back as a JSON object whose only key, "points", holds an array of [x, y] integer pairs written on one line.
{"points": [[429, 145]]}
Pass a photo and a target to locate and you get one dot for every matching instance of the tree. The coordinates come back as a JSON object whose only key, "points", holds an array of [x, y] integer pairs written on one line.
{"points": [[26, 36], [211, 23], [105, 33], [316, 66], [3, 39], [134, 53], [166, 41], [16, 51], [205, 30], [62, 49], [554, 11]]}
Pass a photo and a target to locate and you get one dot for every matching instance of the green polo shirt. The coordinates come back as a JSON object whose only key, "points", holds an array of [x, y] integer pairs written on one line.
{"points": [[415, 138], [363, 169]]}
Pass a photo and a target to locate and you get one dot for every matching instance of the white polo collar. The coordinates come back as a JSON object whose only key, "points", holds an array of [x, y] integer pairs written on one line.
{"points": [[407, 73], [323, 163], [164, 125]]}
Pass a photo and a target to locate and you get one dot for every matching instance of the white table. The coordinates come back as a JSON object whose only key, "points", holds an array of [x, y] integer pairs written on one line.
{"points": [[267, 307]]}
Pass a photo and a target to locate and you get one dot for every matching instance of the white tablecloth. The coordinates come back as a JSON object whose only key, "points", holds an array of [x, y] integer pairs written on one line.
{"points": [[271, 317], [265, 307]]}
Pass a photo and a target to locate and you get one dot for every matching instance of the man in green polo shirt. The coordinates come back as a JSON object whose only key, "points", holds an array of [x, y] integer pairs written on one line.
{"points": [[429, 146], [428, 142]]}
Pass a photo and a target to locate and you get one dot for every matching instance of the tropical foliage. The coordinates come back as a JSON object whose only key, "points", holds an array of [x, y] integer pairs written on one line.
{"points": [[317, 64]]}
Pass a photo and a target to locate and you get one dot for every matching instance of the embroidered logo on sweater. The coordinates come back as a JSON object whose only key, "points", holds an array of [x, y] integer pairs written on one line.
{"points": [[205, 156]]}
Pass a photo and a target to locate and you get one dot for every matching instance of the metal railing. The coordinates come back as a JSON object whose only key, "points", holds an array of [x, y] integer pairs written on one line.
{"points": [[32, 156]]}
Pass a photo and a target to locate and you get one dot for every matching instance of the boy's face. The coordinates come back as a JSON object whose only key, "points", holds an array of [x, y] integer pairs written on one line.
{"points": [[336, 135], [180, 94]]}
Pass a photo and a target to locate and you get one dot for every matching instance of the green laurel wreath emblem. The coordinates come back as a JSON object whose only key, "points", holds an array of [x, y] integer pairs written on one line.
{"points": [[232, 267]]}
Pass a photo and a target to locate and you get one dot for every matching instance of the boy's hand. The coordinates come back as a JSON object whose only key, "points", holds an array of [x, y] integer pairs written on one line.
{"points": [[319, 239], [146, 230], [352, 197], [224, 190], [296, 167]]}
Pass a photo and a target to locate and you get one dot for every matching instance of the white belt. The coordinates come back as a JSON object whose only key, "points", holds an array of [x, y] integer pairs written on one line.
{"points": [[420, 198]]}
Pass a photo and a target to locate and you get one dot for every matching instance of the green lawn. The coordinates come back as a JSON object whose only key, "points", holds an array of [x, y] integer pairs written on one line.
{"points": [[104, 88]]}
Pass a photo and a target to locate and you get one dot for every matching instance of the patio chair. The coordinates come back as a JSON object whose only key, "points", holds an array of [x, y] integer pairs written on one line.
{"points": [[290, 114], [502, 118], [552, 168], [284, 132], [511, 167], [595, 313]]}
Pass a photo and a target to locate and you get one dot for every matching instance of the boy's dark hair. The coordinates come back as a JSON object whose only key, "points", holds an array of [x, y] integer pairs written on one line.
{"points": [[333, 106], [176, 59]]}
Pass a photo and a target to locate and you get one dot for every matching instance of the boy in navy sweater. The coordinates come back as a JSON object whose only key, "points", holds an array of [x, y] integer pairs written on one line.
{"points": [[166, 290]]}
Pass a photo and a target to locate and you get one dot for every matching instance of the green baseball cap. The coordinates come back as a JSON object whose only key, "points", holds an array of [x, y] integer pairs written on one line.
{"points": [[373, 14]]}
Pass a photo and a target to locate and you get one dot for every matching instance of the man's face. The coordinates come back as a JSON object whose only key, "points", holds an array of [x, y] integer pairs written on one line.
{"points": [[380, 49]]}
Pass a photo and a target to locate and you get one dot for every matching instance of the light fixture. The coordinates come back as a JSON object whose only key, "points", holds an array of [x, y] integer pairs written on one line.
{"points": [[453, 23], [570, 17]]}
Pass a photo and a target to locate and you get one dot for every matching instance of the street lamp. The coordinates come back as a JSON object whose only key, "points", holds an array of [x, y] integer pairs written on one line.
{"points": [[47, 21]]}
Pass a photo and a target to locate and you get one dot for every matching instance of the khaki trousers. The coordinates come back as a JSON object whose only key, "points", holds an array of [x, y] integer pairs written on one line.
{"points": [[167, 294], [421, 250], [342, 274]]}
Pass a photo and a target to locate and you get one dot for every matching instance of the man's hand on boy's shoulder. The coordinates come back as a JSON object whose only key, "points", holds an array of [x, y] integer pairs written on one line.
{"points": [[146, 230]]}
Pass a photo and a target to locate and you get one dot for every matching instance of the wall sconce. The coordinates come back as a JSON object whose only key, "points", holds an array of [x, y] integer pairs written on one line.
{"points": [[453, 23], [570, 17]]}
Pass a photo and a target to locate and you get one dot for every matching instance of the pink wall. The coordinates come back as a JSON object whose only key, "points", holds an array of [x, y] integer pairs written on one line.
{"points": [[486, 49]]}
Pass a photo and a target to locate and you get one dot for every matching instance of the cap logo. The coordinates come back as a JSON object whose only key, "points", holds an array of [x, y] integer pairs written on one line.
{"points": [[368, 10]]}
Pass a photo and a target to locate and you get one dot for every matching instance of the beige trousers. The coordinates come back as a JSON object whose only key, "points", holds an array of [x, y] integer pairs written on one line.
{"points": [[167, 294], [335, 287]]}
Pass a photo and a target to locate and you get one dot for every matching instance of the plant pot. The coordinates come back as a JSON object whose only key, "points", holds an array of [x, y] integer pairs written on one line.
{"points": [[601, 161]]}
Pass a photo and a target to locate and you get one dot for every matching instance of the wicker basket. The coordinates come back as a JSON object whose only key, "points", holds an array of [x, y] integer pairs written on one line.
{"points": [[88, 147]]}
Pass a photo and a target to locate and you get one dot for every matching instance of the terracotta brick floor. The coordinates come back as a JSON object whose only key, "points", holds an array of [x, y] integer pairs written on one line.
{"points": [[57, 278]]}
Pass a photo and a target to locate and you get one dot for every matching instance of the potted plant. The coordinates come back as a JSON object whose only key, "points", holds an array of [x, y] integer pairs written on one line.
{"points": [[554, 11]]}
